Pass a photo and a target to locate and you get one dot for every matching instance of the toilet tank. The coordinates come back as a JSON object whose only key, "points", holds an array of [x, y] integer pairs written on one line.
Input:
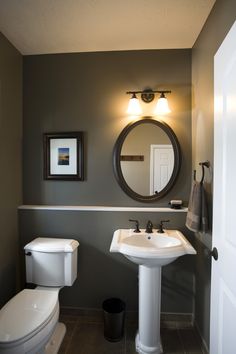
{"points": [[51, 261]]}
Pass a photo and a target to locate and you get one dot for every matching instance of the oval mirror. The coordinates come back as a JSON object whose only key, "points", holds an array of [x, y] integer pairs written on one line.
{"points": [[146, 159]]}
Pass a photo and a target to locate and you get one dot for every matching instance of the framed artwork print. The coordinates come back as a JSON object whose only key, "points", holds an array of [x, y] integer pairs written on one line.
{"points": [[64, 156]]}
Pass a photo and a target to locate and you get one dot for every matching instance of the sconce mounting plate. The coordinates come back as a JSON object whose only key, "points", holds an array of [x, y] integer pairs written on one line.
{"points": [[147, 96]]}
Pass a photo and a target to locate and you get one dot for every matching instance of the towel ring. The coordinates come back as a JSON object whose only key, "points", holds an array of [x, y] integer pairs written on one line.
{"points": [[203, 164]]}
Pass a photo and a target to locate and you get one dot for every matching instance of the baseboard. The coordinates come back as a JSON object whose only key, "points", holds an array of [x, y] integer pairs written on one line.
{"points": [[168, 320], [176, 320], [80, 311], [96, 314]]}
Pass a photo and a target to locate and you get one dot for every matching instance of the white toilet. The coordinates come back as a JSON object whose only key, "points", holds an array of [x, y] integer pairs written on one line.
{"points": [[29, 321]]}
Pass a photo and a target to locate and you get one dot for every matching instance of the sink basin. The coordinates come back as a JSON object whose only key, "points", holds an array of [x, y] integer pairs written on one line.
{"points": [[154, 249]]}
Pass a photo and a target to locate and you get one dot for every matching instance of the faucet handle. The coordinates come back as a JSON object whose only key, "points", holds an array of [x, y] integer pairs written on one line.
{"points": [[136, 225], [160, 230], [162, 221]]}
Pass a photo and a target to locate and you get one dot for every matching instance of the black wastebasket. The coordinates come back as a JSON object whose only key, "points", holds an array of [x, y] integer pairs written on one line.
{"points": [[114, 318]]}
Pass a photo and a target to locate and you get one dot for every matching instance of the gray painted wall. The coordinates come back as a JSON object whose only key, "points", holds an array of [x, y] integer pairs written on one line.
{"points": [[86, 92], [10, 177], [218, 24]]}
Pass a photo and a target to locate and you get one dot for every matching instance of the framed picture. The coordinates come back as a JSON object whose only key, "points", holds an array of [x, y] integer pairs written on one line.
{"points": [[64, 156]]}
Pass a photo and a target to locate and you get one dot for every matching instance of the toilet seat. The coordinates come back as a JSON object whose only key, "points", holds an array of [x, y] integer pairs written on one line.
{"points": [[24, 317]]}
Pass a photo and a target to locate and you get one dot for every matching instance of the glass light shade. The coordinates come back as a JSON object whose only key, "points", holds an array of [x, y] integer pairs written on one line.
{"points": [[134, 107], [162, 106]]}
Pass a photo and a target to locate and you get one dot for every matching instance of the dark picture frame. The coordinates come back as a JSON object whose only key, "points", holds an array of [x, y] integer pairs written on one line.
{"points": [[64, 156]]}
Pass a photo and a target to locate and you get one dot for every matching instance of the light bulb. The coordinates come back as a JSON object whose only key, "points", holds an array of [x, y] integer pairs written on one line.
{"points": [[162, 106], [134, 107]]}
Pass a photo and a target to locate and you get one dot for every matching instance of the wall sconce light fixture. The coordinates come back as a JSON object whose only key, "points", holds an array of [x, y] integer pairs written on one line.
{"points": [[134, 107], [148, 96]]}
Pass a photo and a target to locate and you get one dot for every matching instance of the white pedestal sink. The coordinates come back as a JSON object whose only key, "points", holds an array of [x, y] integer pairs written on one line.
{"points": [[150, 252]]}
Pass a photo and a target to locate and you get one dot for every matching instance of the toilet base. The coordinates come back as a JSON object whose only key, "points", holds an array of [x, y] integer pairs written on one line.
{"points": [[56, 339]]}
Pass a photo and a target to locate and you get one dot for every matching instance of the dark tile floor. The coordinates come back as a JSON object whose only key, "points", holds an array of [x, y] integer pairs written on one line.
{"points": [[85, 336]]}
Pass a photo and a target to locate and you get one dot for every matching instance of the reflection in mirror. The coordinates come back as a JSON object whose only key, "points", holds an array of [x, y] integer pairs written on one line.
{"points": [[152, 171], [146, 159]]}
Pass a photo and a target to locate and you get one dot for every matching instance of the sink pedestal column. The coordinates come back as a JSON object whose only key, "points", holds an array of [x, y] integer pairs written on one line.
{"points": [[148, 336]]}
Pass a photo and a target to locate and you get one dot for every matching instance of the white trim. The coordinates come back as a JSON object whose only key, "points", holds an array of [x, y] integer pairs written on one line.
{"points": [[100, 208]]}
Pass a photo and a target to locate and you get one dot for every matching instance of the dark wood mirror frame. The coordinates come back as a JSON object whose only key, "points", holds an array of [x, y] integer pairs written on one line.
{"points": [[117, 165]]}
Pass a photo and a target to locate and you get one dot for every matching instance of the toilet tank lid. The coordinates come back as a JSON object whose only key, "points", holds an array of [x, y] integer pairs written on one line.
{"points": [[45, 244]]}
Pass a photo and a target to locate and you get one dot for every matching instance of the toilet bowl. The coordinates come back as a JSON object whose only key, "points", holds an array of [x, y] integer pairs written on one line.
{"points": [[29, 321]]}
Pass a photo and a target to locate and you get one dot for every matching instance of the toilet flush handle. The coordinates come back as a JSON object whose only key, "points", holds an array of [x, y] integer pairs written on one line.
{"points": [[28, 254]]}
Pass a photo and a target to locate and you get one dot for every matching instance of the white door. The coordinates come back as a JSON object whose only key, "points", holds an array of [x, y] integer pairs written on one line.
{"points": [[161, 166], [223, 286]]}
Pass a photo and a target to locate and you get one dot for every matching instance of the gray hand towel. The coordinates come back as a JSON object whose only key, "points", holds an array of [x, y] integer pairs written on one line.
{"points": [[197, 216], [204, 214]]}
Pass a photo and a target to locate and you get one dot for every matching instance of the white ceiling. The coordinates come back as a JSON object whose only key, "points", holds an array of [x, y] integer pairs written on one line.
{"points": [[62, 26]]}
